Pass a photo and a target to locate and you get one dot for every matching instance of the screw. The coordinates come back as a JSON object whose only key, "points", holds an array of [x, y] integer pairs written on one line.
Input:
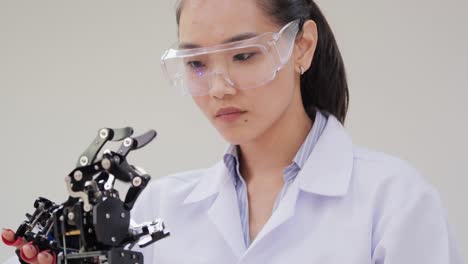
{"points": [[108, 216], [71, 216], [113, 239], [106, 164], [83, 160], [128, 142], [122, 215], [136, 181], [103, 133], [78, 175]]}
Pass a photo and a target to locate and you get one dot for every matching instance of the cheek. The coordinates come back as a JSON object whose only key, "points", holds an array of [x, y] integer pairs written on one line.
{"points": [[269, 103], [269, 109], [276, 97]]}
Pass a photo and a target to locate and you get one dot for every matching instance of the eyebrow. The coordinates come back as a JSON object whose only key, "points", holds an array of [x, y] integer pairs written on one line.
{"points": [[243, 36]]}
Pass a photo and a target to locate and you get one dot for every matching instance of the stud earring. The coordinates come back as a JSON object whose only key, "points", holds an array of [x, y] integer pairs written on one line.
{"points": [[302, 69]]}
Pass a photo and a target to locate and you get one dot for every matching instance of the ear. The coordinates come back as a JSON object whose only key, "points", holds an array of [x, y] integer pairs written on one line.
{"points": [[305, 45]]}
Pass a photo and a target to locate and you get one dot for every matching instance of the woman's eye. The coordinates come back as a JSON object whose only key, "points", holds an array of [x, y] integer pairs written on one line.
{"points": [[243, 56], [195, 64]]}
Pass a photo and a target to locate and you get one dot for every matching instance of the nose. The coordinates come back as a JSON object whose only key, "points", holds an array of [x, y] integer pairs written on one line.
{"points": [[221, 85]]}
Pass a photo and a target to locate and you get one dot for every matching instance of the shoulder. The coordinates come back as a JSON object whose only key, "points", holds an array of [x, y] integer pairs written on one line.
{"points": [[380, 168], [375, 159], [391, 184], [395, 190], [407, 215]]}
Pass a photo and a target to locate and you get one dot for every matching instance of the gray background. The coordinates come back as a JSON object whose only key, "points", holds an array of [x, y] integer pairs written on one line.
{"points": [[68, 68]]}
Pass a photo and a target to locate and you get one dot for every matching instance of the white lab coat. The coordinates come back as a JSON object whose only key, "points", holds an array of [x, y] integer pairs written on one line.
{"points": [[347, 205]]}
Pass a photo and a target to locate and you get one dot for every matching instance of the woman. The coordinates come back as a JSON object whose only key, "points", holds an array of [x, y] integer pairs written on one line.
{"points": [[291, 187]]}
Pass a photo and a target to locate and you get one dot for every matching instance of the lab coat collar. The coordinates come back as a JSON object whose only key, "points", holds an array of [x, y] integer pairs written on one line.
{"points": [[329, 167], [327, 171], [224, 211], [210, 183]]}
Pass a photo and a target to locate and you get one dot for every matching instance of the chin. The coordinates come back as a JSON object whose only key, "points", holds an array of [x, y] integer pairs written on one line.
{"points": [[238, 136], [233, 137]]}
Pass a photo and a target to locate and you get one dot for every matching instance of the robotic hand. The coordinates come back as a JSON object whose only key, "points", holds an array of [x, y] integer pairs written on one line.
{"points": [[93, 225]]}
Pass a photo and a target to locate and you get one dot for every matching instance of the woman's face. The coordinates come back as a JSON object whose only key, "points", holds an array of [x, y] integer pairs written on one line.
{"points": [[211, 22]]}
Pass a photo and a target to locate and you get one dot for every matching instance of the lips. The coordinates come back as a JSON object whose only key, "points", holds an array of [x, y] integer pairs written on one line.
{"points": [[228, 110]]}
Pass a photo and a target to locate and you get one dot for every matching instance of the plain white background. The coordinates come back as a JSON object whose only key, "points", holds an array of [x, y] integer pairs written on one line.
{"points": [[68, 68]]}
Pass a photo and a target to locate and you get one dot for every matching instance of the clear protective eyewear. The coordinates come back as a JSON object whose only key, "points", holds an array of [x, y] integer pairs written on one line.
{"points": [[243, 64]]}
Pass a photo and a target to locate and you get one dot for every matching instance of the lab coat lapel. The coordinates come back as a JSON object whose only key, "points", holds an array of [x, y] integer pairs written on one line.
{"points": [[327, 172], [283, 213], [224, 212]]}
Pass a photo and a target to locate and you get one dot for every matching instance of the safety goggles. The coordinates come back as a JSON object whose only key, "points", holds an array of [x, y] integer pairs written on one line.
{"points": [[243, 64]]}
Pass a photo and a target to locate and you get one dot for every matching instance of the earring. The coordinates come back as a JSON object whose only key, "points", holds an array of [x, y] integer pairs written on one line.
{"points": [[302, 69]]}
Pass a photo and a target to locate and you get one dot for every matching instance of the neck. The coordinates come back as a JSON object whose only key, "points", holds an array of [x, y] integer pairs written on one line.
{"points": [[273, 151]]}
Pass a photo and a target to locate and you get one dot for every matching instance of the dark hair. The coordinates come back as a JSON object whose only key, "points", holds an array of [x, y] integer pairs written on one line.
{"points": [[323, 85]]}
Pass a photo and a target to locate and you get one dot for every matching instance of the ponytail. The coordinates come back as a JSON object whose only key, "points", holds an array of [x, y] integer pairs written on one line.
{"points": [[323, 85]]}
